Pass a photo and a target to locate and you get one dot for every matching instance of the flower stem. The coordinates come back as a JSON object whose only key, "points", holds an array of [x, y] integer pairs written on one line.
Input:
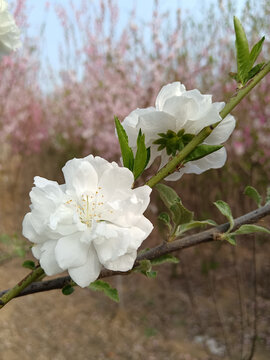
{"points": [[170, 167], [34, 275]]}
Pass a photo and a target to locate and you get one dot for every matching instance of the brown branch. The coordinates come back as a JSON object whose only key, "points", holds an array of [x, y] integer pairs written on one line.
{"points": [[165, 248]]}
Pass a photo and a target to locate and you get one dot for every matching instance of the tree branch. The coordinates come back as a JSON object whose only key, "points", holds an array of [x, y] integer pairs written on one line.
{"points": [[165, 248]]}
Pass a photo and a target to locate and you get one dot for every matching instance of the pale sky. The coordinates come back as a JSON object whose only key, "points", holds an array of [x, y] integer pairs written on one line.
{"points": [[53, 34]]}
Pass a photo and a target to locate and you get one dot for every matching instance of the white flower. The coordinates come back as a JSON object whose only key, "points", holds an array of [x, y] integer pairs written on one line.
{"points": [[94, 219], [9, 32], [178, 109]]}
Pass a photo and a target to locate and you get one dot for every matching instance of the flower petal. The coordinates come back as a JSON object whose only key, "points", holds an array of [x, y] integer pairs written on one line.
{"points": [[80, 177], [47, 258], [222, 132], [168, 91], [131, 124], [88, 272], [155, 122], [122, 263], [113, 179], [70, 251]]}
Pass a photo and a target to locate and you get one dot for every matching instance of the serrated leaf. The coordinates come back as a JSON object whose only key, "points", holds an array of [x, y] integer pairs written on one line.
{"points": [[250, 229], [167, 195], [142, 157], [255, 52], [29, 264], [253, 194], [224, 208], [100, 285], [230, 238], [194, 224], [67, 290], [127, 154], [167, 258], [254, 71], [242, 50], [180, 215], [201, 151]]}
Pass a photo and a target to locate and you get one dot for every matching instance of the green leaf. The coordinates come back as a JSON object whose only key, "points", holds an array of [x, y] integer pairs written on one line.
{"points": [[253, 194], [29, 264], [224, 208], [127, 154], [145, 268], [180, 215], [242, 50], [5, 239], [164, 217], [250, 229], [201, 151], [67, 290], [255, 52], [194, 224], [142, 156], [267, 200], [167, 258], [254, 71], [19, 251], [100, 285], [167, 195], [230, 238]]}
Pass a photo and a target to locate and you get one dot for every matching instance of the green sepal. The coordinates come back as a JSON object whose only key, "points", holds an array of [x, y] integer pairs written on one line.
{"points": [[201, 151], [100, 285], [250, 229], [29, 264], [142, 156], [167, 258], [67, 290], [253, 194], [224, 208], [127, 153]]}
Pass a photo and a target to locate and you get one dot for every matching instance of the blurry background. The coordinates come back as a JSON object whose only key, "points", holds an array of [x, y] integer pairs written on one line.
{"points": [[83, 62]]}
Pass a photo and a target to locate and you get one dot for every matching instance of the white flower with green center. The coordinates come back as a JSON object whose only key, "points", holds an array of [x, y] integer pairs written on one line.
{"points": [[9, 32], [95, 219], [183, 112]]}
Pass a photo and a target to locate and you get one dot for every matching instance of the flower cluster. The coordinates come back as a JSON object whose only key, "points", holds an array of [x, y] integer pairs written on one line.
{"points": [[94, 219], [9, 32], [182, 113]]}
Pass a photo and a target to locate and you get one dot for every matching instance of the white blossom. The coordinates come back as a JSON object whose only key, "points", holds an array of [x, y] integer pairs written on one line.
{"points": [[178, 109], [95, 219], [9, 32]]}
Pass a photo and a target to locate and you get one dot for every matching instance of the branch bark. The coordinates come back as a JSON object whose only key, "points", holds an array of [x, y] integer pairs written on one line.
{"points": [[165, 248]]}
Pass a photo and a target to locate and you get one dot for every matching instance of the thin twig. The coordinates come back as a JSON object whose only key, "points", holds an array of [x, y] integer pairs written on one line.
{"points": [[164, 248]]}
